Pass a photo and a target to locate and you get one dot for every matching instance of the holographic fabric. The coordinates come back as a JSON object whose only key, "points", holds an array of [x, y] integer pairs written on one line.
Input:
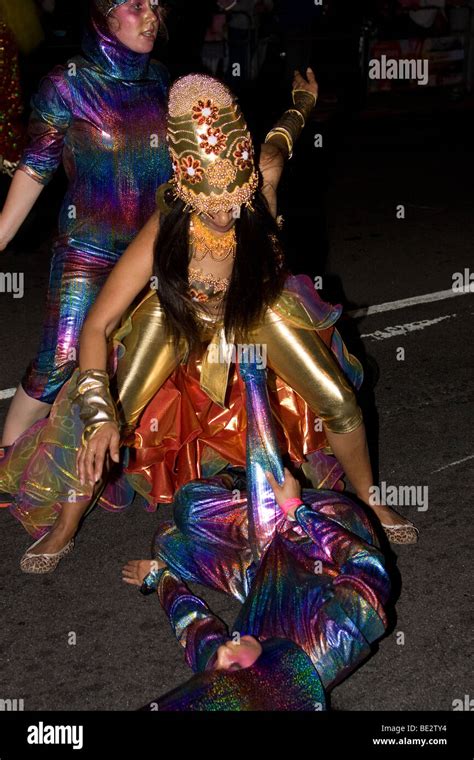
{"points": [[103, 114], [321, 582], [262, 455], [318, 580], [40, 469], [182, 434], [282, 680]]}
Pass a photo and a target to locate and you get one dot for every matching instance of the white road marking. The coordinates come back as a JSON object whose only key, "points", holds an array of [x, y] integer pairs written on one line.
{"points": [[441, 295], [389, 332], [453, 464], [7, 393], [396, 330]]}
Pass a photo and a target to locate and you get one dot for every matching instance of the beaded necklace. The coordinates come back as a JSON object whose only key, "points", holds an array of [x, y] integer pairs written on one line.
{"points": [[206, 242]]}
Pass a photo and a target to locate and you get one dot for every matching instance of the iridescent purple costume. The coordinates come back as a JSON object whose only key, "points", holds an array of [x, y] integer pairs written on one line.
{"points": [[318, 581], [103, 114]]}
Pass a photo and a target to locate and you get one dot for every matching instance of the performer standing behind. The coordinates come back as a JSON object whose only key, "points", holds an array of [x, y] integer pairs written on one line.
{"points": [[104, 114]]}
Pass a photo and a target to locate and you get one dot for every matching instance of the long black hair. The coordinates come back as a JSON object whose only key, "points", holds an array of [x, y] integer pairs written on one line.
{"points": [[257, 276]]}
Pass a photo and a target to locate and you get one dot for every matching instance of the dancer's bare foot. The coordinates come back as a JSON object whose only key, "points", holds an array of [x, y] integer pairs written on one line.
{"points": [[388, 516], [135, 571], [236, 655], [53, 542], [64, 529]]}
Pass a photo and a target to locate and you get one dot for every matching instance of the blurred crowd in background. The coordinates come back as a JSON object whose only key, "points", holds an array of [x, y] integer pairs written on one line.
{"points": [[255, 45], [268, 39]]}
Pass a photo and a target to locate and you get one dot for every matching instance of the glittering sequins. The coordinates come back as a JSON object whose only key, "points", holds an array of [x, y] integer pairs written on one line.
{"points": [[100, 123], [221, 173], [189, 92], [216, 283], [211, 146]]}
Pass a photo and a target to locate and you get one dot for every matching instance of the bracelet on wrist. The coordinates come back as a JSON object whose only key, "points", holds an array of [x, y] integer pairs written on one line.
{"points": [[280, 132], [290, 503], [96, 406]]}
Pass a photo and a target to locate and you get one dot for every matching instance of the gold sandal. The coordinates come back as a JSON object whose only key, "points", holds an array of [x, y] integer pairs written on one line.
{"points": [[44, 563]]}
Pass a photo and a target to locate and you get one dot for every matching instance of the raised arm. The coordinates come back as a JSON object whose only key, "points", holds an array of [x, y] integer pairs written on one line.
{"points": [[278, 145]]}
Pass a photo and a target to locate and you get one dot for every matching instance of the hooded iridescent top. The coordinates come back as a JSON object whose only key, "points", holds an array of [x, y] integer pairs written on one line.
{"points": [[103, 114]]}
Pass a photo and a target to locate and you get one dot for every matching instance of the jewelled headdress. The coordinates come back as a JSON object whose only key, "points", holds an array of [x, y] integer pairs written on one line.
{"points": [[210, 144], [106, 6]]}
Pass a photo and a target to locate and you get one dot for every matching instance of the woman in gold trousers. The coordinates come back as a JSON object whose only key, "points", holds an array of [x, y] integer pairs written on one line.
{"points": [[219, 286]]}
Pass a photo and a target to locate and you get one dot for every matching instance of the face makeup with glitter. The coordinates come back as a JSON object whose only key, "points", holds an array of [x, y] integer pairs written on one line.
{"points": [[135, 24]]}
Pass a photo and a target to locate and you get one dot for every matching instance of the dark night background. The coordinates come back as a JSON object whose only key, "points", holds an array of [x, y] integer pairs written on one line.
{"points": [[410, 146]]}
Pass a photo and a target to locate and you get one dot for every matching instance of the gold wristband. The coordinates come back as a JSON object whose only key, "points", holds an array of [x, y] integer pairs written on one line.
{"points": [[299, 114], [96, 407], [282, 133], [304, 102], [290, 126]]}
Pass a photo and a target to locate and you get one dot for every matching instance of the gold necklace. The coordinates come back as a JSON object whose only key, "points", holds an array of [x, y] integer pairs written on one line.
{"points": [[204, 241]]}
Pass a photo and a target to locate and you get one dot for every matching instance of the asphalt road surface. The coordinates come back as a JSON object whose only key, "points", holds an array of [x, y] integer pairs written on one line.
{"points": [[343, 206]]}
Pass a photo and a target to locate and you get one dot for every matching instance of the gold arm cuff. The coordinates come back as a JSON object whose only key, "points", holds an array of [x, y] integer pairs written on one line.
{"points": [[348, 423], [277, 134], [298, 113], [96, 406], [304, 102], [290, 125]]}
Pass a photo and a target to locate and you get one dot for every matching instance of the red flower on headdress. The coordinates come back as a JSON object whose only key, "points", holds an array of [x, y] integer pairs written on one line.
{"points": [[205, 112], [213, 141], [244, 154], [191, 169]]}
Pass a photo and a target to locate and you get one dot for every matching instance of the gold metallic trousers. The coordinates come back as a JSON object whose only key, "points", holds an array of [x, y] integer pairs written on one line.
{"points": [[297, 355]]}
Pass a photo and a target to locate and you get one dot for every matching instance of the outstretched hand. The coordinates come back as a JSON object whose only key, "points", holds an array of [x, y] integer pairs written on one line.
{"points": [[91, 458], [309, 84]]}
